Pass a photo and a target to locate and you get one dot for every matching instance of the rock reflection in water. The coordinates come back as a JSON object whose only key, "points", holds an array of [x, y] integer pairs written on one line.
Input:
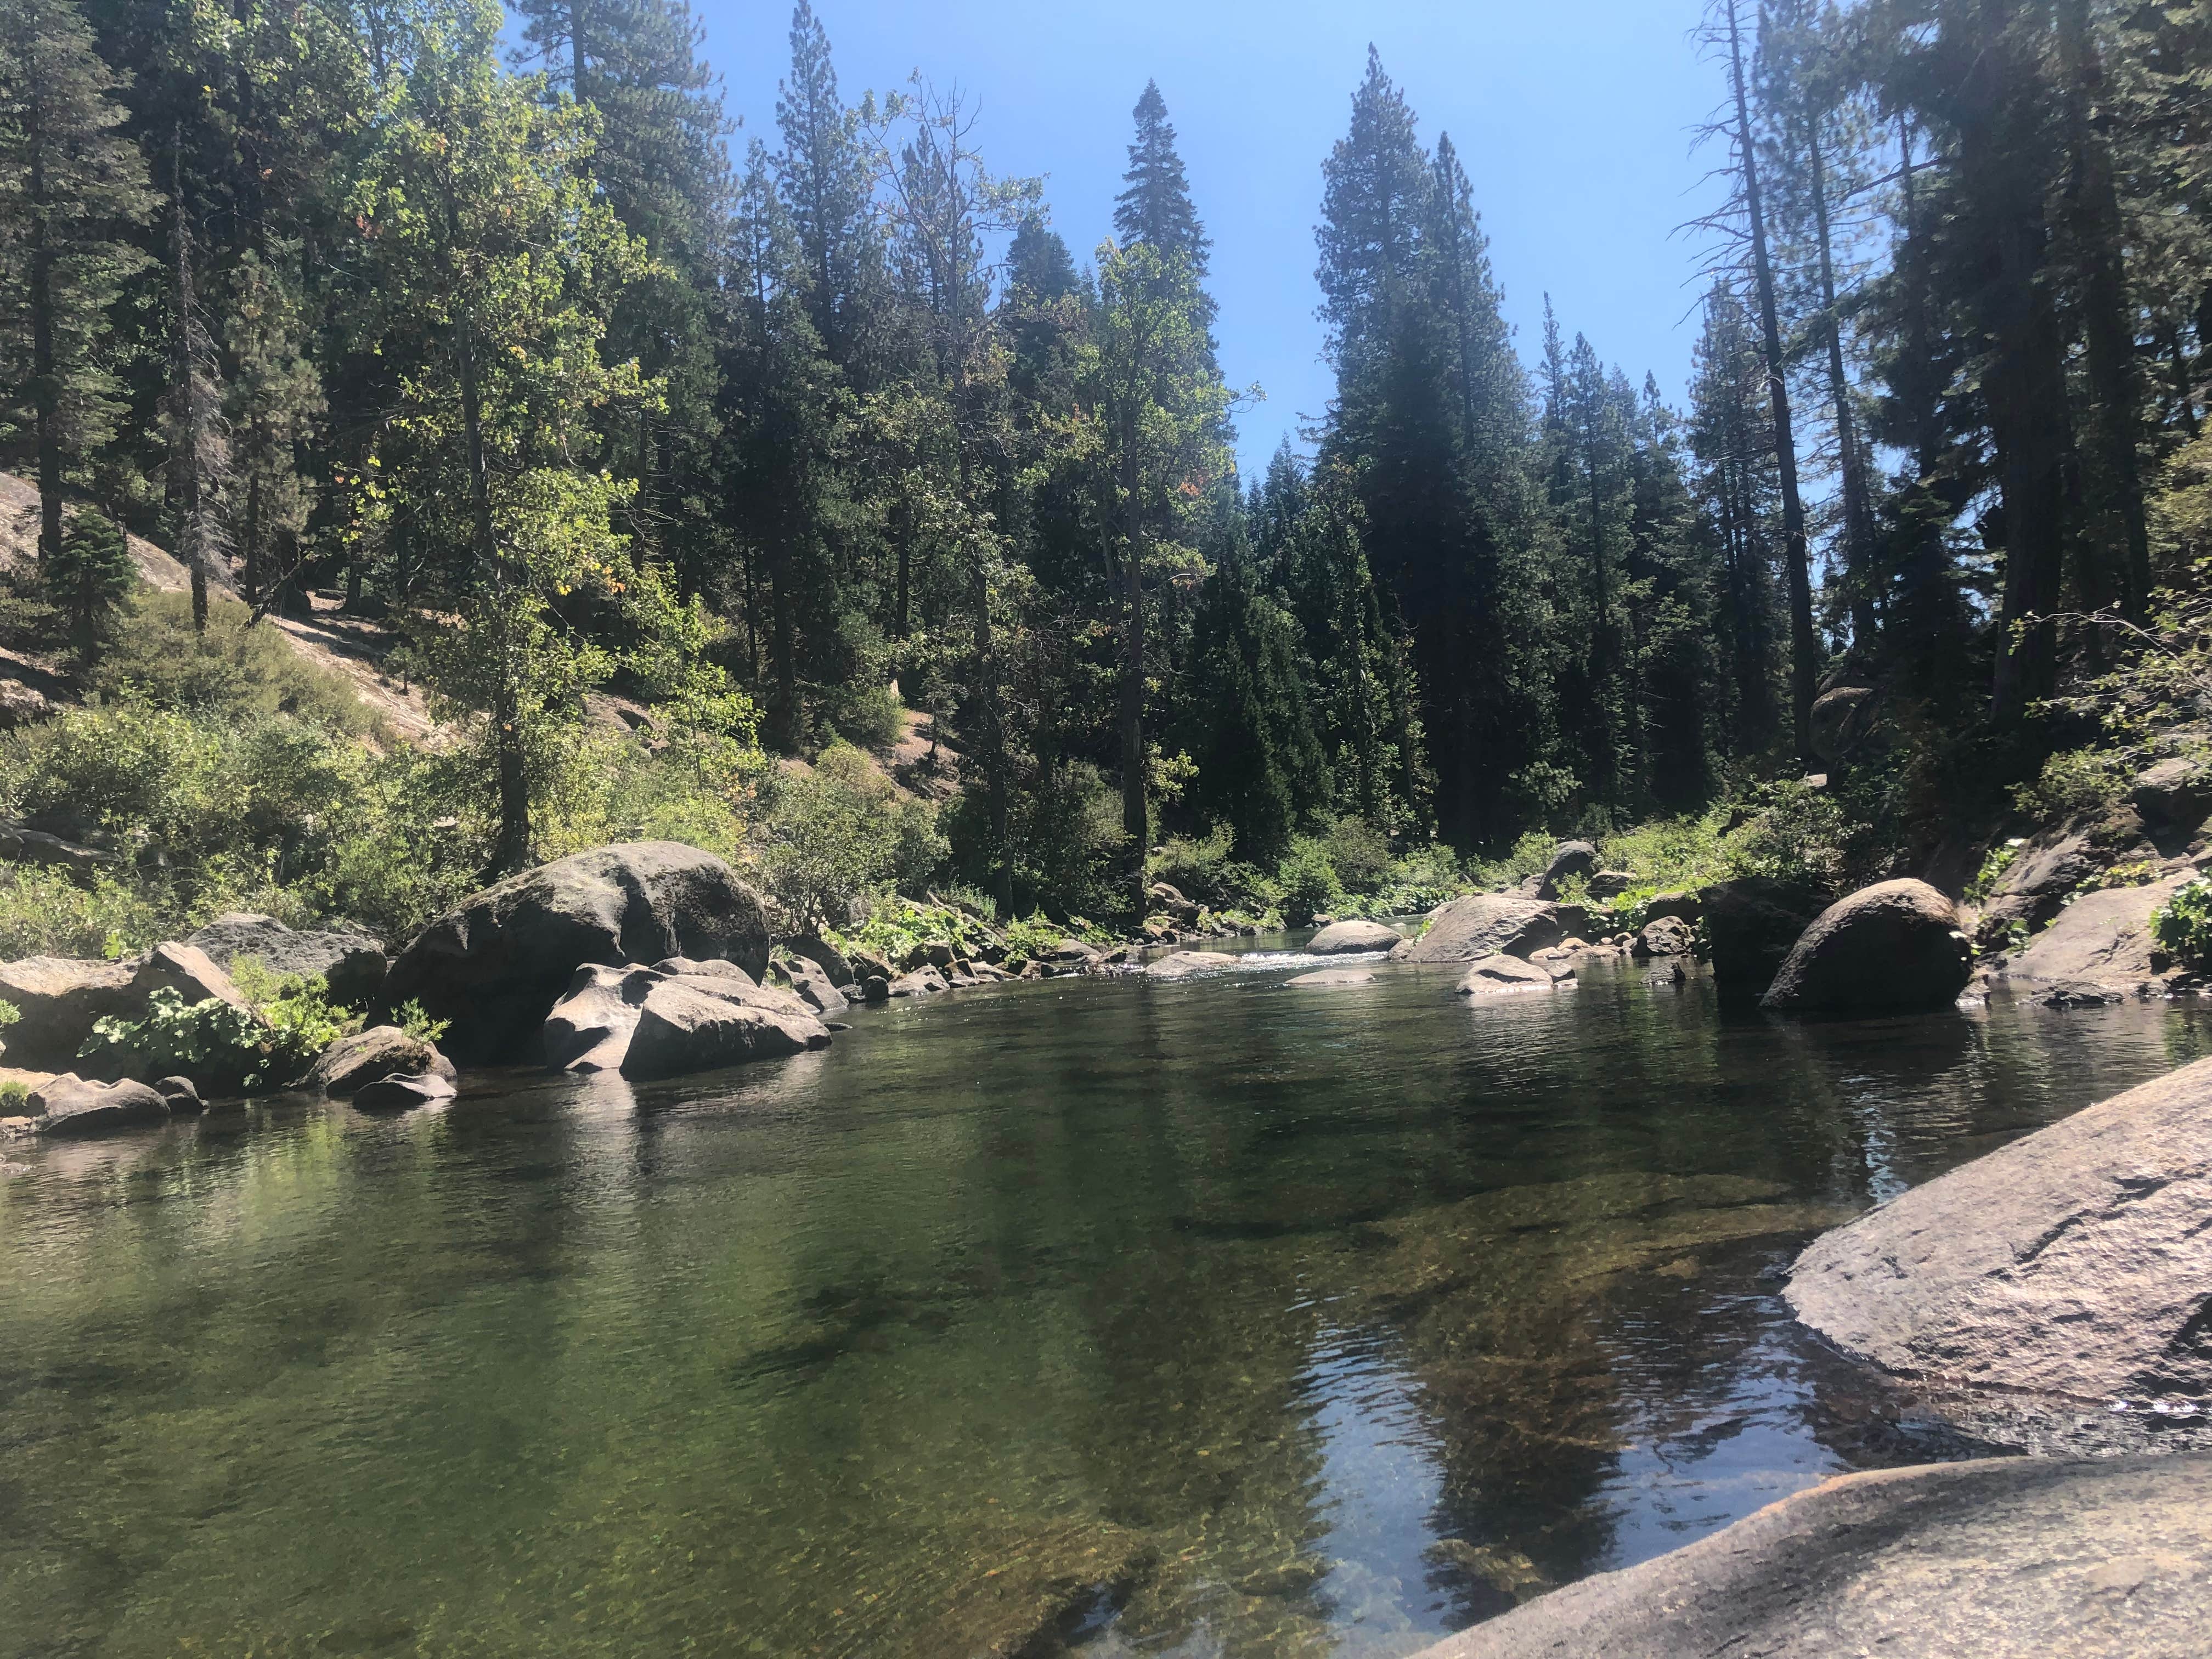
{"points": [[1214, 1319]]}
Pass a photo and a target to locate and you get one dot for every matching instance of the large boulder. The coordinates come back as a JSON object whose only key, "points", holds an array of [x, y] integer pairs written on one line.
{"points": [[1482, 925], [826, 956], [806, 979], [1751, 922], [1839, 720], [70, 1106], [1344, 938], [1665, 936], [496, 962], [1570, 859], [380, 1051], [2075, 1262], [350, 962], [2173, 794], [2007, 1557], [59, 999], [187, 970], [2034, 885], [2103, 938], [1892, 947], [590, 1028], [1500, 975], [685, 1026]]}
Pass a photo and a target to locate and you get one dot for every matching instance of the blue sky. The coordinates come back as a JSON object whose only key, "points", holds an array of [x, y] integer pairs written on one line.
{"points": [[1573, 122]]}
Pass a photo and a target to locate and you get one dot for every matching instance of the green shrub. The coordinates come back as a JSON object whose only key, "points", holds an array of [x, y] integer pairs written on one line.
{"points": [[237, 667], [217, 1044], [14, 1097], [2078, 780], [866, 716], [90, 578], [1995, 863], [1668, 854], [1800, 835], [1310, 884], [2184, 923], [412, 1018], [43, 912], [1193, 866], [1359, 853], [839, 832]]}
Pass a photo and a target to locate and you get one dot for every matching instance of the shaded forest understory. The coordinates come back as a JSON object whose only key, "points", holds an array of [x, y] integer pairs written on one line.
{"points": [[815, 503]]}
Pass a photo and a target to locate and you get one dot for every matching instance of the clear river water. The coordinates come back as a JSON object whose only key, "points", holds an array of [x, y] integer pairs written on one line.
{"points": [[1091, 1317]]}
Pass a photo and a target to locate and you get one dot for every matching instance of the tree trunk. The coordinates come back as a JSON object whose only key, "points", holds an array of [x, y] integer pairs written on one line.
{"points": [[185, 449], [47, 376], [1858, 514], [2093, 204], [1803, 648], [1135, 819]]}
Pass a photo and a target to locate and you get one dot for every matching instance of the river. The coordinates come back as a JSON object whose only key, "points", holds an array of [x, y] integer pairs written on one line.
{"points": [[1216, 1318]]}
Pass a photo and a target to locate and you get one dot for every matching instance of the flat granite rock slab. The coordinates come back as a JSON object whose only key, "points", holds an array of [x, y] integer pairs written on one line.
{"points": [[2014, 1558]]}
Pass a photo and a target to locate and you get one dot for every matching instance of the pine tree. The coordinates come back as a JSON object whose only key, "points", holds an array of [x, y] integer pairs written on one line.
{"points": [[1155, 204], [71, 188]]}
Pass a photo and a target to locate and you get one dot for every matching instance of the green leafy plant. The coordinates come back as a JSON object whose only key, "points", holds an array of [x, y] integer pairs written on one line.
{"points": [[412, 1020], [212, 1041], [2184, 923], [1993, 869], [1310, 887], [14, 1097]]}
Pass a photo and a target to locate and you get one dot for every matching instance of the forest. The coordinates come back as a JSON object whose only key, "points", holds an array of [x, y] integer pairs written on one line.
{"points": [[486, 328]]}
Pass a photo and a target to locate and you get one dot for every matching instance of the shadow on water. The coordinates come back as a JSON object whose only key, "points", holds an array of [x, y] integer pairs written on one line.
{"points": [[1212, 1318]]}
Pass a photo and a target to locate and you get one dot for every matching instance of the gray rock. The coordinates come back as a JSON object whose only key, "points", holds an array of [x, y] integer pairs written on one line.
{"points": [[813, 986], [714, 967], [1075, 954], [2174, 795], [1497, 976], [2034, 884], [402, 1092], [1667, 936], [496, 962], [2012, 1558], [2075, 1261], [1481, 924], [2102, 937], [21, 846], [1839, 719], [181, 1096], [1683, 907], [876, 988], [350, 962], [683, 1028], [2080, 993], [1188, 964], [380, 1051], [1751, 923], [1608, 884], [1894, 946], [59, 999], [1569, 858], [1342, 938], [590, 1028], [187, 970], [922, 983], [69, 1107], [827, 958], [1329, 979]]}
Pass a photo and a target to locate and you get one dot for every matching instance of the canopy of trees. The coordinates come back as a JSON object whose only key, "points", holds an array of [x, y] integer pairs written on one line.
{"points": [[488, 326]]}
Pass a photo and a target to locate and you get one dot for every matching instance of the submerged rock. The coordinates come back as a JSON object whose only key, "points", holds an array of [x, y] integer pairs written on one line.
{"points": [[2009, 1558], [1893, 947], [1498, 974], [70, 1106], [496, 962], [380, 1051], [687, 1025], [1187, 964], [2076, 1261], [1349, 938], [402, 1092], [1481, 924], [1333, 978], [922, 983]]}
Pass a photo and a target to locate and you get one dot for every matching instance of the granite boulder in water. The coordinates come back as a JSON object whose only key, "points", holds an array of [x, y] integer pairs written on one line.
{"points": [[1894, 947], [1751, 923], [1482, 925], [496, 962], [1344, 938], [2076, 1262]]}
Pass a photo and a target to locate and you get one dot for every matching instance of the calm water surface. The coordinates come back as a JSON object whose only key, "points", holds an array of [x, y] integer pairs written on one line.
{"points": [[1210, 1319]]}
